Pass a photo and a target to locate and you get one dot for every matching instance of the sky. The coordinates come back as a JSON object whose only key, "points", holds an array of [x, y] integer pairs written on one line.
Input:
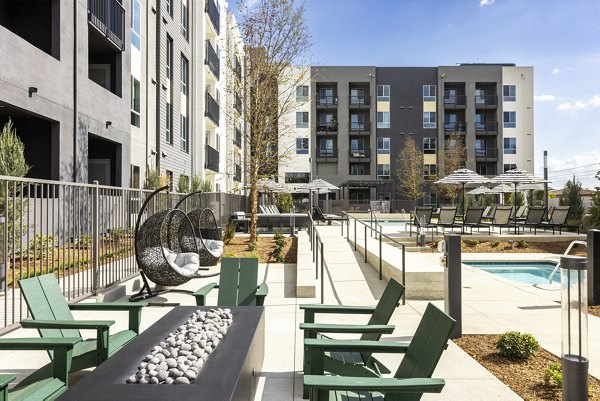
{"points": [[559, 38]]}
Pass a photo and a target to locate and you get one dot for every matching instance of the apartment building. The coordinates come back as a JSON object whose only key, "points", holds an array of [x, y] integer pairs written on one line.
{"points": [[65, 83], [360, 118]]}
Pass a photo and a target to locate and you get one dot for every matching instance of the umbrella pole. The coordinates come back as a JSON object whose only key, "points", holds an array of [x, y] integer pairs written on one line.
{"points": [[515, 206], [464, 199]]}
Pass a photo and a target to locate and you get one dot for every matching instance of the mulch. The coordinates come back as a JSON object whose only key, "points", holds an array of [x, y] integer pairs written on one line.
{"points": [[526, 378], [265, 246]]}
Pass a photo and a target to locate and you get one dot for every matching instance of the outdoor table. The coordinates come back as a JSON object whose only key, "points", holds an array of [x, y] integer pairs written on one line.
{"points": [[230, 373]]}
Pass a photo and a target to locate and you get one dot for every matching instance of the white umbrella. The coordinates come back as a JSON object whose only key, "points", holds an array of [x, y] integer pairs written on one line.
{"points": [[318, 185], [463, 177], [501, 189], [479, 191]]}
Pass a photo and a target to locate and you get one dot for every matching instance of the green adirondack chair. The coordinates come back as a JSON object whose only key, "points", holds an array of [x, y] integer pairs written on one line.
{"points": [[354, 364], [52, 318], [237, 284], [45, 389], [412, 379]]}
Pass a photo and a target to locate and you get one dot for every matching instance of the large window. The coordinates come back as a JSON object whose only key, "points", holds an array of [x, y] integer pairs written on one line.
{"points": [[185, 18], [301, 146], [135, 103], [184, 76], [169, 123], [509, 93], [383, 146], [357, 169], [302, 119], [429, 93], [302, 93], [185, 134], [509, 166], [170, 7], [383, 93], [510, 146], [429, 120], [383, 171], [326, 96], [430, 199], [297, 178], [429, 171], [481, 169], [383, 119], [357, 96], [326, 147], [169, 61], [510, 119], [357, 122], [135, 24], [429, 145]]}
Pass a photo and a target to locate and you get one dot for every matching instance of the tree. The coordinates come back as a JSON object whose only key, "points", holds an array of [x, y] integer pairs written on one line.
{"points": [[593, 218], [276, 37], [12, 152], [571, 196], [410, 170], [509, 199], [452, 158], [183, 184]]}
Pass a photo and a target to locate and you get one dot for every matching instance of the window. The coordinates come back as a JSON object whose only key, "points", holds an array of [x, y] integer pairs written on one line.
{"points": [[429, 171], [450, 96], [135, 102], [357, 96], [302, 119], [429, 119], [357, 122], [301, 146], [383, 93], [509, 166], [135, 24], [383, 171], [169, 179], [326, 148], [169, 62], [510, 119], [302, 93], [185, 134], [481, 169], [480, 96], [429, 93], [326, 96], [170, 7], [297, 178], [429, 199], [383, 146], [383, 119], [184, 19], [169, 124], [357, 148], [510, 146], [429, 145], [184, 76], [480, 148], [357, 169], [509, 93], [480, 122], [217, 141], [135, 176]]}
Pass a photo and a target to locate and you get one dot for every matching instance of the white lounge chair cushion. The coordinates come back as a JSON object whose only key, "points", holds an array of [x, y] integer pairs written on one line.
{"points": [[214, 246], [186, 264]]}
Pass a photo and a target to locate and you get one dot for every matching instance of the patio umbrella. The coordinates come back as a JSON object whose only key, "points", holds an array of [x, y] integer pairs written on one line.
{"points": [[463, 177], [479, 191], [502, 189], [517, 178], [318, 185]]}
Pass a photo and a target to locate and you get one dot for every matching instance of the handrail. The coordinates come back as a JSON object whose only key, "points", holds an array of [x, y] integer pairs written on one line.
{"points": [[315, 239], [381, 235], [573, 243], [374, 216]]}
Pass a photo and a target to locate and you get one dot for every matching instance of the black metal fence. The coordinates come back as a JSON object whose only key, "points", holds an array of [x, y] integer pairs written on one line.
{"points": [[109, 17]]}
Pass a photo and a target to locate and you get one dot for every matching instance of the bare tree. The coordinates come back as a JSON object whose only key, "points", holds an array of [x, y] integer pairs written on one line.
{"points": [[452, 158], [276, 39], [410, 170]]}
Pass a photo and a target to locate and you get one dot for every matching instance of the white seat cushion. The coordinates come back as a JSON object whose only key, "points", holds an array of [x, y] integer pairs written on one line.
{"points": [[214, 246]]}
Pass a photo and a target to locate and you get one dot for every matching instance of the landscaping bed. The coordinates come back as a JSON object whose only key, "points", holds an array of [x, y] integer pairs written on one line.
{"points": [[518, 246], [265, 246], [524, 377]]}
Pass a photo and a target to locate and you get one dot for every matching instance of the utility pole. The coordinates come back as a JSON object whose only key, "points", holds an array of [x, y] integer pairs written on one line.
{"points": [[546, 178]]}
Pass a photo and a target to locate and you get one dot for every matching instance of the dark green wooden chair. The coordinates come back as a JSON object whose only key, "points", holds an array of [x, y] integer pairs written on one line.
{"points": [[354, 364], [237, 284], [45, 389], [52, 318], [412, 379]]}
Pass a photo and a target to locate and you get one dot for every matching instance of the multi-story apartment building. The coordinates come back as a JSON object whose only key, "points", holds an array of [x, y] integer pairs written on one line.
{"points": [[65, 83], [359, 119]]}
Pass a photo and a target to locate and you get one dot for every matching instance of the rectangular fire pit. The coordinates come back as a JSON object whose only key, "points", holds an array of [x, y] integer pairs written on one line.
{"points": [[229, 374]]}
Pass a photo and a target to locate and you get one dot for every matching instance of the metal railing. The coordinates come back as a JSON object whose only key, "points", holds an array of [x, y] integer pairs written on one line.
{"points": [[379, 235], [316, 243], [213, 14], [486, 101], [108, 16], [483, 127], [327, 127], [212, 109], [359, 153], [454, 100], [487, 153], [327, 101], [326, 153], [455, 126], [211, 160], [359, 127], [359, 101], [211, 59]]}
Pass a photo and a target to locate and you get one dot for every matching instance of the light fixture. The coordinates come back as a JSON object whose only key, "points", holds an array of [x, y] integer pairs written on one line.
{"points": [[163, 154], [108, 124], [443, 76], [32, 90]]}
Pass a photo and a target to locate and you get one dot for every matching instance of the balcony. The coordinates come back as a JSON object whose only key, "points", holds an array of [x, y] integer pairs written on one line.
{"points": [[108, 16], [359, 102], [237, 103], [211, 159], [359, 155], [213, 14], [237, 138], [211, 109], [487, 128], [487, 154], [486, 101], [237, 69], [359, 128], [211, 59], [238, 173], [460, 127], [326, 155], [455, 101], [327, 102], [327, 128]]}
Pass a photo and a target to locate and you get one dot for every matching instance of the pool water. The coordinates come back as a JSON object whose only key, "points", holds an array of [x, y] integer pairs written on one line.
{"points": [[523, 272]]}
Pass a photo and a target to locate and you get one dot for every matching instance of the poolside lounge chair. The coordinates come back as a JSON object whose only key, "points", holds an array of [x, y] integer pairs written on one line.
{"points": [[412, 378], [488, 213], [534, 218], [520, 213], [558, 220], [501, 218], [317, 215], [473, 219], [446, 219], [421, 219]]}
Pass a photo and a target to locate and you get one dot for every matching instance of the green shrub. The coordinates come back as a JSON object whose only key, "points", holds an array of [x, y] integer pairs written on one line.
{"points": [[85, 241], [252, 255], [285, 201], [183, 184], [494, 244], [553, 375], [230, 255], [152, 180], [41, 245], [116, 233], [278, 236], [522, 244], [472, 242], [252, 246], [515, 345], [229, 232]]}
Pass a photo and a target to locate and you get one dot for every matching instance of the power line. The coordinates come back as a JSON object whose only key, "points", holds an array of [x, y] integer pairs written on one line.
{"points": [[574, 168]]}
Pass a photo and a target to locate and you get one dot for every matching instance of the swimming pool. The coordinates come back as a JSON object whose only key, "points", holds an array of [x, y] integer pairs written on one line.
{"points": [[523, 272]]}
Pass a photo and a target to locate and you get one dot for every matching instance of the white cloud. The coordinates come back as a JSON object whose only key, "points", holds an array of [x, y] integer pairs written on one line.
{"points": [[555, 71], [544, 98], [583, 166], [594, 102], [486, 3]]}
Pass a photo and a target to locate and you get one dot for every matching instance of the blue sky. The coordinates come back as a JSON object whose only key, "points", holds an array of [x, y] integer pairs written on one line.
{"points": [[559, 38]]}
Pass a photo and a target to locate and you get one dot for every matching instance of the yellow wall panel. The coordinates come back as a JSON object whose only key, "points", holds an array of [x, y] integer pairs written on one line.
{"points": [[383, 106], [383, 159], [429, 106], [429, 159]]}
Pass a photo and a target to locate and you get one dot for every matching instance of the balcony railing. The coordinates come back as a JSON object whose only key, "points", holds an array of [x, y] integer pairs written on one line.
{"points": [[327, 155], [212, 59], [211, 158], [359, 153], [237, 138], [359, 101], [238, 173], [237, 103], [487, 153], [108, 16], [326, 101], [486, 128], [486, 101], [212, 109], [237, 69], [360, 127], [326, 127], [451, 101], [455, 126], [213, 14]]}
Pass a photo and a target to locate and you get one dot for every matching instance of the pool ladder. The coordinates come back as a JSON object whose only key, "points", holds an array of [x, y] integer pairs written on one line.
{"points": [[584, 243]]}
